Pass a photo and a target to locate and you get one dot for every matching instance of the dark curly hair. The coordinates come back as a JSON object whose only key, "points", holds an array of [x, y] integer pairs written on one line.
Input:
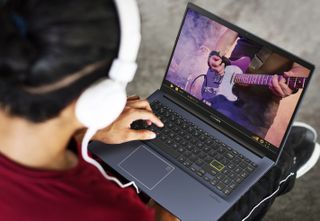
{"points": [[41, 42]]}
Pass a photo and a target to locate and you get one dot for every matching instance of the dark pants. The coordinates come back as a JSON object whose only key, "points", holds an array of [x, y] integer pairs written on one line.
{"points": [[256, 202]]}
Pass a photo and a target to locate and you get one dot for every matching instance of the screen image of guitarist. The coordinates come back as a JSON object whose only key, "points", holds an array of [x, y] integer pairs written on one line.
{"points": [[246, 82]]}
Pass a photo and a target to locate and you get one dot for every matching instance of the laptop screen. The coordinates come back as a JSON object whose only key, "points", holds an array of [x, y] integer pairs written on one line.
{"points": [[246, 82]]}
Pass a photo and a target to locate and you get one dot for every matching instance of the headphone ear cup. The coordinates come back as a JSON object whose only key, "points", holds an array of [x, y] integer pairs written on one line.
{"points": [[99, 105]]}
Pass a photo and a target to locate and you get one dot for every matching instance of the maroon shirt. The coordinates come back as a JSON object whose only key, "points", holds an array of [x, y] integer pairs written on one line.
{"points": [[77, 194]]}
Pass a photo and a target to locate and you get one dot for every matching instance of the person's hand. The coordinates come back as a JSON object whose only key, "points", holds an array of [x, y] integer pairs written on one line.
{"points": [[119, 131], [278, 85], [215, 63]]}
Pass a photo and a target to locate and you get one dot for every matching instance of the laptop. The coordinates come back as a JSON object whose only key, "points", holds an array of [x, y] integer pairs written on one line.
{"points": [[223, 129]]}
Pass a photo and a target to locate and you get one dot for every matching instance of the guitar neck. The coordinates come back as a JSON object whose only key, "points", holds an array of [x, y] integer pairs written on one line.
{"points": [[265, 80]]}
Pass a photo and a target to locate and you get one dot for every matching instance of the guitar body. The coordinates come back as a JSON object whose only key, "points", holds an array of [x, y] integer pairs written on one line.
{"points": [[211, 88]]}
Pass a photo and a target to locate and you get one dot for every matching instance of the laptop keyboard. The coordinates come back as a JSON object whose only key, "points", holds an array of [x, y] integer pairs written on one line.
{"points": [[207, 158]]}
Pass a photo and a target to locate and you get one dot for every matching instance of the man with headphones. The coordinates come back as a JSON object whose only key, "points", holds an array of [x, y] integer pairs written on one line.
{"points": [[54, 57]]}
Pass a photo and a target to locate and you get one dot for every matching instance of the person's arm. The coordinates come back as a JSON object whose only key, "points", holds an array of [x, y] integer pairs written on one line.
{"points": [[226, 41], [278, 84]]}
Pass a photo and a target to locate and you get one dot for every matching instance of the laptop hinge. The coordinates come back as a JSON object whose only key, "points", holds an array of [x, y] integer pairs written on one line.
{"points": [[211, 122]]}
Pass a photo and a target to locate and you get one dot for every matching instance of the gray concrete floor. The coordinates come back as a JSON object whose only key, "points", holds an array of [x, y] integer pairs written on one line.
{"points": [[291, 24]]}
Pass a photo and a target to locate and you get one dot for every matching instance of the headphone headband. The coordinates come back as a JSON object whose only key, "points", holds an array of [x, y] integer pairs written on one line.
{"points": [[94, 106], [124, 67]]}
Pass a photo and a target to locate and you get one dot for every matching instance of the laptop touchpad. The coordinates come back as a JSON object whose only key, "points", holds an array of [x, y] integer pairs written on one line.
{"points": [[147, 168]]}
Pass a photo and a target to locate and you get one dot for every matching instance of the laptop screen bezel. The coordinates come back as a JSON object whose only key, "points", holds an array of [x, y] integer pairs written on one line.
{"points": [[199, 108]]}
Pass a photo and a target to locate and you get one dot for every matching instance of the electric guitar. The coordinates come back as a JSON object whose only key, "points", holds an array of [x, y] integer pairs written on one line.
{"points": [[215, 84]]}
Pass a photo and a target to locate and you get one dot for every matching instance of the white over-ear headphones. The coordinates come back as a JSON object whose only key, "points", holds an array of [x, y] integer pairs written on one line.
{"points": [[99, 105]]}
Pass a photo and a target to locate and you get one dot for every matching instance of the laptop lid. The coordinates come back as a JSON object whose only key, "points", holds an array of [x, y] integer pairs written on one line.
{"points": [[250, 89]]}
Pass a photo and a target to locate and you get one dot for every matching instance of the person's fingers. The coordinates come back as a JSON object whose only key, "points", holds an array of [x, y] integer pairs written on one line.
{"points": [[140, 135], [284, 87], [215, 61], [274, 91], [139, 114], [276, 87], [221, 69], [213, 64], [216, 64], [133, 98], [140, 104]]}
